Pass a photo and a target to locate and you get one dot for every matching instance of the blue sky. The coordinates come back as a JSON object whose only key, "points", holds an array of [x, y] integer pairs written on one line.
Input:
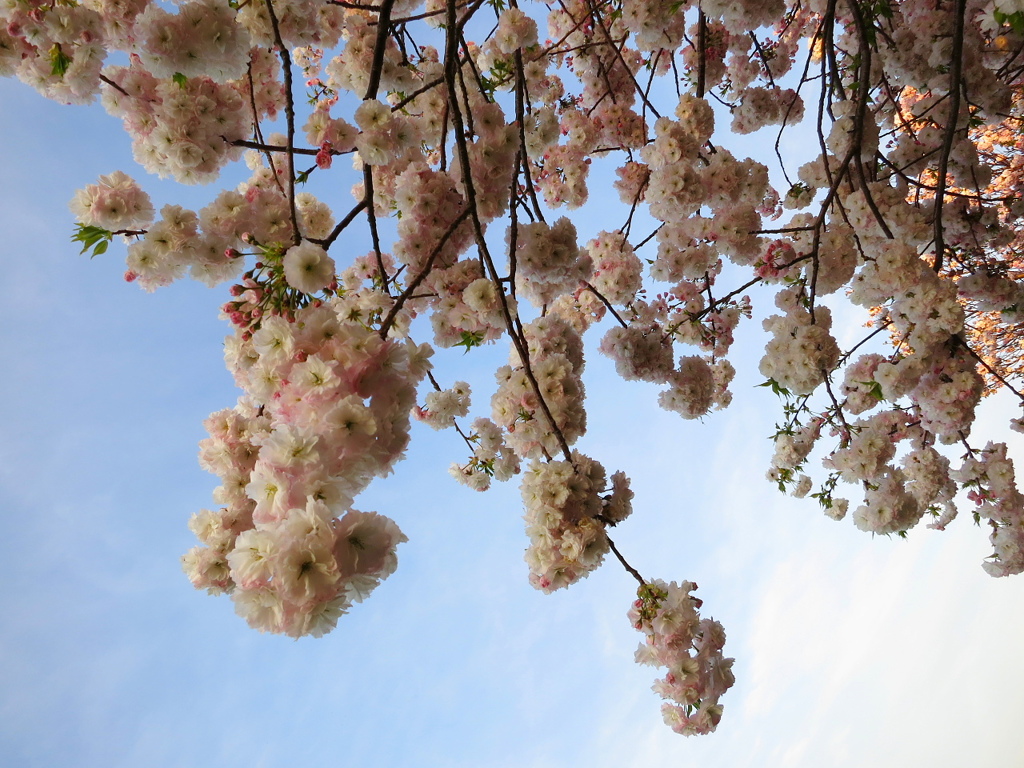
{"points": [[850, 651]]}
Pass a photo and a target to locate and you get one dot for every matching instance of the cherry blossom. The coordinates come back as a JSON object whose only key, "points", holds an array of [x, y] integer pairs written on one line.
{"points": [[566, 180]]}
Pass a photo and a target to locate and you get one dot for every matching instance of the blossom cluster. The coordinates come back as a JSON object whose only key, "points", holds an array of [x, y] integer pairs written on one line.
{"points": [[491, 458], [115, 203], [539, 399], [326, 410], [689, 647], [566, 516], [989, 474]]}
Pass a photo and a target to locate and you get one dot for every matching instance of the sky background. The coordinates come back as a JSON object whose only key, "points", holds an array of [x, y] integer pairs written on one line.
{"points": [[849, 650]]}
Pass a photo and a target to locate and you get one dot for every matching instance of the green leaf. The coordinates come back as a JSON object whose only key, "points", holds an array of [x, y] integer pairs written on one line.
{"points": [[180, 79], [471, 339], [59, 61], [777, 388], [95, 238], [1015, 20], [874, 389]]}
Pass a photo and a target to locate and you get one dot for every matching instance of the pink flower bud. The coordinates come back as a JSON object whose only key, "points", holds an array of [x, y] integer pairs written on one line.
{"points": [[324, 156]]}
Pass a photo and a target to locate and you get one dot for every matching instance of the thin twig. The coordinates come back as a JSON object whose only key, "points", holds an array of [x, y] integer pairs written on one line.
{"points": [[407, 294]]}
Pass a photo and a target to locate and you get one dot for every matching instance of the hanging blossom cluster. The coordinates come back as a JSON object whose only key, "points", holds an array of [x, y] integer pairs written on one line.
{"points": [[467, 133], [326, 409], [566, 516], [690, 648]]}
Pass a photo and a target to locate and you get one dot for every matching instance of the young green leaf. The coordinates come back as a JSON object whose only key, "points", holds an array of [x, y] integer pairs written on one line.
{"points": [[59, 61], [95, 238]]}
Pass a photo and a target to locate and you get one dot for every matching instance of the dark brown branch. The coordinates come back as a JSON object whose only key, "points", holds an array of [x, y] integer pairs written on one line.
{"points": [[955, 69], [524, 160], [622, 61], [702, 35], [258, 133], [114, 85], [289, 113], [863, 92], [371, 218], [271, 147], [379, 46], [988, 367], [354, 6], [629, 568], [451, 73], [408, 292], [607, 303], [419, 91], [340, 227]]}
